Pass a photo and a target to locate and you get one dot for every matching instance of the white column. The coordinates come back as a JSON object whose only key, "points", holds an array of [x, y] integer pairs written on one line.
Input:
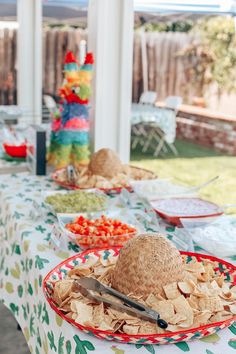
{"points": [[29, 54], [110, 38]]}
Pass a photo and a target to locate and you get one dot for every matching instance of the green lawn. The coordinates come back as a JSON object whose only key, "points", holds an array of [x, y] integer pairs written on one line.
{"points": [[194, 165]]}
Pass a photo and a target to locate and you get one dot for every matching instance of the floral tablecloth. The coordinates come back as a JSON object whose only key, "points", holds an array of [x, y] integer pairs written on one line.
{"points": [[26, 257]]}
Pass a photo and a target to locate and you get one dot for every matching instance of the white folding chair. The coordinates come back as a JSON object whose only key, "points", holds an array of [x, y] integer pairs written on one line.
{"points": [[138, 133], [49, 107], [155, 138], [50, 103], [148, 97], [173, 102]]}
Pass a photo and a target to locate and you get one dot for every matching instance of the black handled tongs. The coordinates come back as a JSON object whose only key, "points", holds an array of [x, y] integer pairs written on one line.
{"points": [[71, 174], [85, 285]]}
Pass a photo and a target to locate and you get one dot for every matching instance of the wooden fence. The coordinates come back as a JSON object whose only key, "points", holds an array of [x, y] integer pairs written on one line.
{"points": [[164, 73], [8, 48]]}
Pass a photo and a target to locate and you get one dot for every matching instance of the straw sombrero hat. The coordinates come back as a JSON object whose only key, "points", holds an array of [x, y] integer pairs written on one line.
{"points": [[146, 264], [106, 163]]}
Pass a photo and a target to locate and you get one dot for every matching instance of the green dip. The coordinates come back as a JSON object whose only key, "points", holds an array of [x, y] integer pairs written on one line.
{"points": [[76, 202]]}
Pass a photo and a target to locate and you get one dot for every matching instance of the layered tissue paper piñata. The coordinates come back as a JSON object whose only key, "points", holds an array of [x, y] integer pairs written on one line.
{"points": [[69, 142]]}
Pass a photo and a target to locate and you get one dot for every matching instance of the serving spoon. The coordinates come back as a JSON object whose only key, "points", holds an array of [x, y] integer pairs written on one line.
{"points": [[202, 185]]}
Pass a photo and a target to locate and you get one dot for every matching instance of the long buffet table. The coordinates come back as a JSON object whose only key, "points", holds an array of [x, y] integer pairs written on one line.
{"points": [[27, 255]]}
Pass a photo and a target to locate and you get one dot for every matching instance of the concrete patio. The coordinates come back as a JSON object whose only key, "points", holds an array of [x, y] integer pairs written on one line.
{"points": [[11, 340]]}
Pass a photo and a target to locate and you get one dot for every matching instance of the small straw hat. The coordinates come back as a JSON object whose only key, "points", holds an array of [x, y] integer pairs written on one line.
{"points": [[145, 264], [106, 163]]}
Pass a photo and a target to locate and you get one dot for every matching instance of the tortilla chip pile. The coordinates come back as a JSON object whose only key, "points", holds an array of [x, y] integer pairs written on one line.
{"points": [[203, 297], [105, 170]]}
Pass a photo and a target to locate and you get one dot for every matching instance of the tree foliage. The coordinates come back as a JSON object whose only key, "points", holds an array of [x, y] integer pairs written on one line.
{"points": [[218, 38], [177, 26]]}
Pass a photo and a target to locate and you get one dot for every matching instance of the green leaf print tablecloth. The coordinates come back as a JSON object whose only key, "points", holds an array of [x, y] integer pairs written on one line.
{"points": [[26, 257]]}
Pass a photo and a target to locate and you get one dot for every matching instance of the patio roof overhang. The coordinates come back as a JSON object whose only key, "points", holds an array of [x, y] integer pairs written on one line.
{"points": [[65, 10], [192, 6]]}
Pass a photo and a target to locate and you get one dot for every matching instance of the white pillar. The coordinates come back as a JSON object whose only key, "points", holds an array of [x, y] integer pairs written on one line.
{"points": [[110, 38], [29, 54]]}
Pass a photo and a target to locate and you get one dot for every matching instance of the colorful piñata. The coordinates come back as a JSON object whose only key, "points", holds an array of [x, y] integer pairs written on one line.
{"points": [[70, 126]]}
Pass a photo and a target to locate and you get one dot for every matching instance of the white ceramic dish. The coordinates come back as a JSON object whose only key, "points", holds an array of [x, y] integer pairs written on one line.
{"points": [[160, 188], [48, 193]]}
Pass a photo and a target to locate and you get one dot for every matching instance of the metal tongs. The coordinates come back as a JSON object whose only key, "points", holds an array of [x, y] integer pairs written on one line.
{"points": [[85, 285], [71, 174]]}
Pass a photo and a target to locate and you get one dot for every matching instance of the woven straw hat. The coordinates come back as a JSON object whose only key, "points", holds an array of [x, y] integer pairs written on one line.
{"points": [[106, 163], [145, 264]]}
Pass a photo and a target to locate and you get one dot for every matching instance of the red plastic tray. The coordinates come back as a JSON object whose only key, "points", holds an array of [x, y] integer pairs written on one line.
{"points": [[115, 190], [174, 209]]}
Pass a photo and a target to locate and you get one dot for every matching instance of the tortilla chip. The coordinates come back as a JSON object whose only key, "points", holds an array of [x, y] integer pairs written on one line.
{"points": [[174, 328], [77, 296], [119, 315], [190, 276], [196, 267], [171, 291], [80, 271], [160, 297], [183, 308], [228, 296], [131, 329], [98, 314], [203, 277], [165, 308], [135, 321], [201, 318], [209, 271], [65, 308], [232, 309], [56, 297], [151, 300], [186, 287], [217, 317], [233, 289], [104, 326], [84, 312], [193, 302], [177, 318], [105, 278], [69, 315], [148, 328], [63, 288], [111, 314], [74, 315], [116, 325], [213, 304], [220, 280], [214, 285]]}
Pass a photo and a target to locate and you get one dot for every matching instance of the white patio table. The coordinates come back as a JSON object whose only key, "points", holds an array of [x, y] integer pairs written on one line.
{"points": [[26, 257]]}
